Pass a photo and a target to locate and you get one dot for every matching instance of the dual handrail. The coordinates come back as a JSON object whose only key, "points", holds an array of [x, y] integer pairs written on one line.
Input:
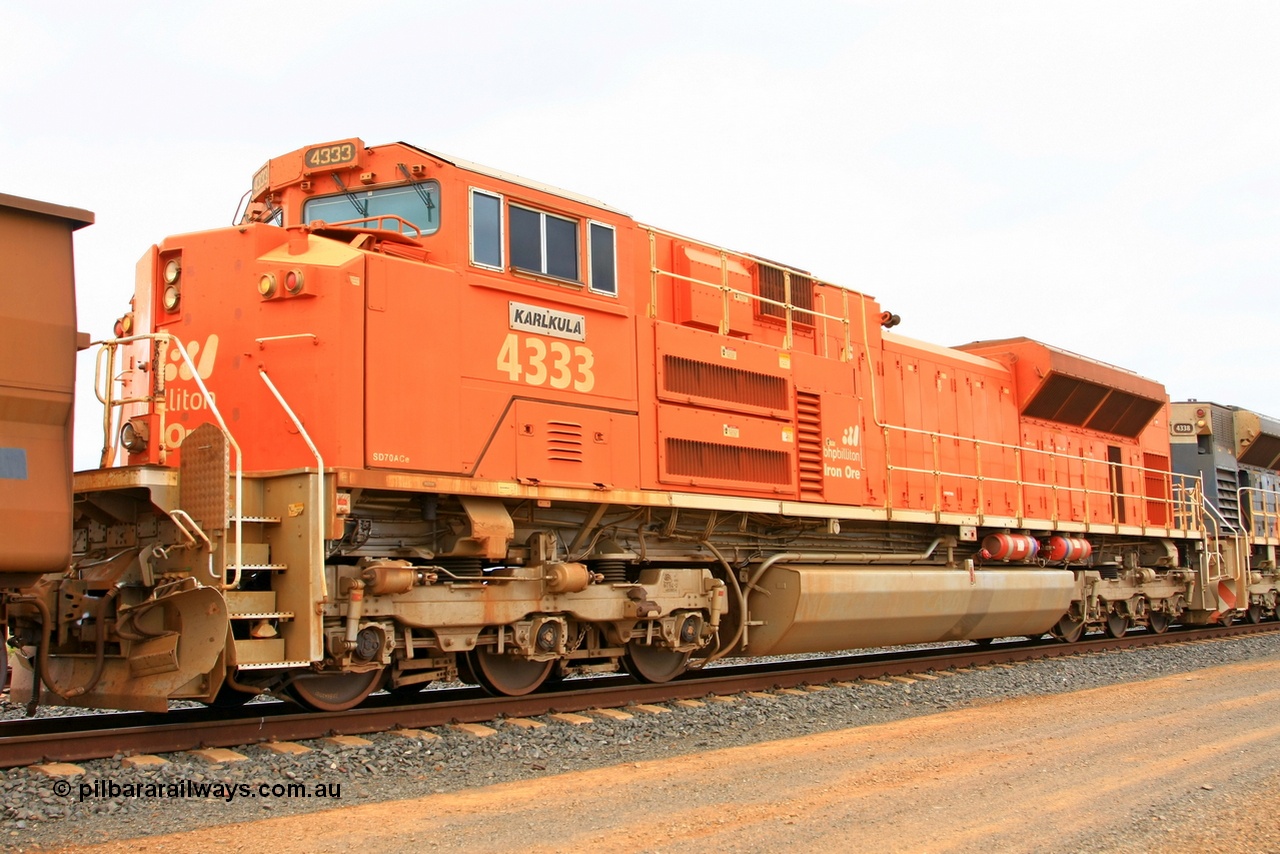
{"points": [[1180, 498], [1263, 513], [1179, 494], [104, 389], [729, 293]]}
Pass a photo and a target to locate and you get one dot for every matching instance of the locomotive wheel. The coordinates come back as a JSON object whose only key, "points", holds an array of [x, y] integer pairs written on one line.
{"points": [[649, 663], [556, 676], [1068, 630], [1255, 614], [463, 662], [1117, 625], [334, 692], [1159, 622], [506, 675]]}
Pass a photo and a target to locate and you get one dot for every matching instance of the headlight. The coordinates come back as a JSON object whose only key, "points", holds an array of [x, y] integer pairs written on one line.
{"points": [[133, 437], [172, 296], [172, 269]]}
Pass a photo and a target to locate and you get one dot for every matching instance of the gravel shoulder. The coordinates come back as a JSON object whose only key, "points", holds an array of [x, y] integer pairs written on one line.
{"points": [[1063, 752]]}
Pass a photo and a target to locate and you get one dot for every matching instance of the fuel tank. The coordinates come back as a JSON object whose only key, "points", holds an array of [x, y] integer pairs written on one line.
{"points": [[831, 607]]}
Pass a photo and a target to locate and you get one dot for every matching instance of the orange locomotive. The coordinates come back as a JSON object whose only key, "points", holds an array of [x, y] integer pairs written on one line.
{"points": [[414, 418]]}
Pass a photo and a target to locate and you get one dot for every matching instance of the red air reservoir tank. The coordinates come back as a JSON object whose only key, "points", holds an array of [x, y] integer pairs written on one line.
{"points": [[1010, 547], [1068, 549]]}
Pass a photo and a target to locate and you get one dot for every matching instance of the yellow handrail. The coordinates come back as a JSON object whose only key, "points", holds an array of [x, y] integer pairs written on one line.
{"points": [[1180, 496], [156, 400]]}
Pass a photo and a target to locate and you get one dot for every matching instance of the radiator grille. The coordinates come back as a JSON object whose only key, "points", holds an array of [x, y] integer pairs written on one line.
{"points": [[1265, 452], [714, 461], [1081, 403], [721, 382], [773, 286]]}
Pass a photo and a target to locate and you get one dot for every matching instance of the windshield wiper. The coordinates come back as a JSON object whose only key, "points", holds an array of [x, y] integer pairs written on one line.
{"points": [[362, 208], [422, 194]]}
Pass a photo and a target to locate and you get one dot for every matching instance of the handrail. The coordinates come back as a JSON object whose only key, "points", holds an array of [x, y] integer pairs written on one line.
{"points": [[376, 218], [1269, 517], [726, 290], [182, 519], [262, 342], [1240, 543], [156, 400], [1219, 517], [321, 520], [1178, 496]]}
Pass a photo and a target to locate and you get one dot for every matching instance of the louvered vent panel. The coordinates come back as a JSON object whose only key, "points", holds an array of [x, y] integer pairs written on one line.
{"points": [[564, 441], [1228, 500], [721, 382], [809, 443], [773, 286], [714, 461]]}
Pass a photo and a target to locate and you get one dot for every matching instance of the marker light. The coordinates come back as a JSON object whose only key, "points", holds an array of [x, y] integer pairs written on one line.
{"points": [[267, 285], [293, 281]]}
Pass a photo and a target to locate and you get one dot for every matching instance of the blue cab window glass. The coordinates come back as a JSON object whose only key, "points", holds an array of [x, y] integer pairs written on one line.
{"points": [[418, 204], [486, 229], [526, 239], [604, 274]]}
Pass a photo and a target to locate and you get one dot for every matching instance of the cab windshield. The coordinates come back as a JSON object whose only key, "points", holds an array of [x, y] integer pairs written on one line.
{"points": [[417, 203]]}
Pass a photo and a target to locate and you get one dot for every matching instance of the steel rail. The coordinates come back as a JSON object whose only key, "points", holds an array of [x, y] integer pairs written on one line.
{"points": [[97, 736]]}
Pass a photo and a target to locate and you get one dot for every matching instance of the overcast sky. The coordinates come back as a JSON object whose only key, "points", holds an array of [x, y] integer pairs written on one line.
{"points": [[1102, 176]]}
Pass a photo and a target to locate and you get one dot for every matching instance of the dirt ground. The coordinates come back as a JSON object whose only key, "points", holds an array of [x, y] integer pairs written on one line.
{"points": [[1182, 763]]}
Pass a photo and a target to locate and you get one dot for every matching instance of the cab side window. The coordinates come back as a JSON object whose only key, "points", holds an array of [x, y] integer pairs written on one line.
{"points": [[537, 241], [544, 243], [601, 252], [486, 229]]}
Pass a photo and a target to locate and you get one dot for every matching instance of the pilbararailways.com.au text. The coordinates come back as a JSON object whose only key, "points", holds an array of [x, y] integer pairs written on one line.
{"points": [[110, 790]]}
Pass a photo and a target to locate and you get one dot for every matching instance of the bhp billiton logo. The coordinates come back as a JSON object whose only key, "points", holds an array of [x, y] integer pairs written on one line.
{"points": [[176, 367], [179, 399]]}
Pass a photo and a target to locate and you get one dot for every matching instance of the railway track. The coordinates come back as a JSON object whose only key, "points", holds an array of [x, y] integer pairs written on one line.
{"points": [[101, 735]]}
